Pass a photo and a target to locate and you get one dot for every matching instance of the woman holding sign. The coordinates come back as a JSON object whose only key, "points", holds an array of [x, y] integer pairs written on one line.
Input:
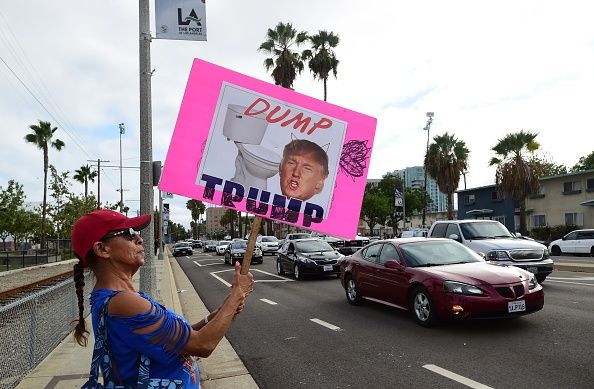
{"points": [[139, 341]]}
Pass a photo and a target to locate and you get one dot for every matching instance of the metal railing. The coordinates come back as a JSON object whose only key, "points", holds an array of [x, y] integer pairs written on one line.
{"points": [[33, 326], [17, 259]]}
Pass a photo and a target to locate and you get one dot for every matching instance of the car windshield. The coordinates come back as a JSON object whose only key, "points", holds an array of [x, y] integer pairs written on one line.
{"points": [[313, 246], [434, 253], [182, 245], [269, 239], [239, 245], [300, 236], [210, 242], [224, 242], [484, 230]]}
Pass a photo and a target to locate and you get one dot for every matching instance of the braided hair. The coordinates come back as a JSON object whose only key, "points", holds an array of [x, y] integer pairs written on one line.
{"points": [[80, 332]]}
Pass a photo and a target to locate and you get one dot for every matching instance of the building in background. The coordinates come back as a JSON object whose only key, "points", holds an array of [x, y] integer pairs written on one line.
{"points": [[566, 199], [213, 219], [414, 177], [485, 202]]}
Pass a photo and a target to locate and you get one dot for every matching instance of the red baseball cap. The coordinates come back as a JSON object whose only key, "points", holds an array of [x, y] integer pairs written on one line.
{"points": [[93, 226]]}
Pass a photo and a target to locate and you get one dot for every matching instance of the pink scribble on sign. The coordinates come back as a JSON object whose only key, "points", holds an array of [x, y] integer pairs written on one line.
{"points": [[232, 147]]}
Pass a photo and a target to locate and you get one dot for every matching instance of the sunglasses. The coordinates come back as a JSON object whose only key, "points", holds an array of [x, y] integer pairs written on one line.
{"points": [[128, 234]]}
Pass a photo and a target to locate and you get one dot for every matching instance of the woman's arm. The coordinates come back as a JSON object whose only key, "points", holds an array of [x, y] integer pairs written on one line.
{"points": [[205, 336]]}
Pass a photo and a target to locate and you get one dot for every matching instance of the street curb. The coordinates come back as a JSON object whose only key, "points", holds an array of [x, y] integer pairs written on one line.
{"points": [[574, 266], [223, 368]]}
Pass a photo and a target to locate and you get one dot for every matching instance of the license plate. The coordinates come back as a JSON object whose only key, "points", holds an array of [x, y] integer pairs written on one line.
{"points": [[516, 306], [327, 267], [532, 269]]}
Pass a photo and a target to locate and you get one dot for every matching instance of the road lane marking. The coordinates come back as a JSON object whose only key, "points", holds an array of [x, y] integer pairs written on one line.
{"points": [[327, 325], [270, 274], [456, 377], [220, 279], [269, 301], [571, 278], [282, 279], [208, 264], [567, 282]]}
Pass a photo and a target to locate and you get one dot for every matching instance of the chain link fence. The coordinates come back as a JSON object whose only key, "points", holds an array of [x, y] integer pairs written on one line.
{"points": [[33, 326]]}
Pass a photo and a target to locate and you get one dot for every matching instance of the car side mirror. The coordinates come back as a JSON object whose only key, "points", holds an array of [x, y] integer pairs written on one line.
{"points": [[455, 237], [391, 264], [483, 255], [563, 238]]}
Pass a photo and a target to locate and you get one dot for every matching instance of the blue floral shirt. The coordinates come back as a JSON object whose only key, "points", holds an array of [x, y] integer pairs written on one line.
{"points": [[162, 346]]}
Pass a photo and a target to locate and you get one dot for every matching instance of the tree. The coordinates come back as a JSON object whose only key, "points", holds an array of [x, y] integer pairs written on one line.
{"points": [[445, 161], [285, 63], [323, 61], [514, 174], [197, 208], [584, 163], [74, 208], [84, 175], [59, 190], [544, 166], [375, 208], [42, 138], [229, 218], [11, 203]]}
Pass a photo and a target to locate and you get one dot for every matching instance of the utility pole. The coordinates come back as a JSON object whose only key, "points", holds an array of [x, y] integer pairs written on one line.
{"points": [[147, 272], [122, 131], [98, 179], [427, 128]]}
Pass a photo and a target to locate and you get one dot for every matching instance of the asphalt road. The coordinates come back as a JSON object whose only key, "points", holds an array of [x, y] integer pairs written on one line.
{"points": [[305, 334]]}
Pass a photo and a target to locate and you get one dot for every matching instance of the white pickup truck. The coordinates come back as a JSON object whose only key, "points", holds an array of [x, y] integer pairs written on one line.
{"points": [[497, 244]]}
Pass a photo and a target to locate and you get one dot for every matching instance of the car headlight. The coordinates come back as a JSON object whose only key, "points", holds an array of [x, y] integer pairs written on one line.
{"points": [[546, 254], [497, 255], [238, 255], [305, 259], [532, 283], [462, 288]]}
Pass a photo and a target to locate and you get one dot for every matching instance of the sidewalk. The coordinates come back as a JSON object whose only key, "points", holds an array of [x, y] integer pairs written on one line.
{"points": [[67, 366]]}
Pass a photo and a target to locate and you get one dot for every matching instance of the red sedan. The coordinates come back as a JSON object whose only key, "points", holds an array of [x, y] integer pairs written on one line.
{"points": [[438, 279]]}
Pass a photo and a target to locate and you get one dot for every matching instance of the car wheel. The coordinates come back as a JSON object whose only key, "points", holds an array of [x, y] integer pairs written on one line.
{"points": [[540, 278], [422, 307], [555, 250], [352, 294], [279, 268], [297, 272]]}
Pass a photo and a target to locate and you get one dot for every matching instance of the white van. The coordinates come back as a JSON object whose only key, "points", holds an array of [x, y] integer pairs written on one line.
{"points": [[414, 234]]}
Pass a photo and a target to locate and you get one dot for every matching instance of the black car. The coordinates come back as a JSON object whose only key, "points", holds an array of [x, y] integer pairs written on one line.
{"points": [[308, 257], [209, 245], [182, 248], [235, 251]]}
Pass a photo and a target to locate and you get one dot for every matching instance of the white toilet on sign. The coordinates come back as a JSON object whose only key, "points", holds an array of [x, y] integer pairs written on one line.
{"points": [[254, 163]]}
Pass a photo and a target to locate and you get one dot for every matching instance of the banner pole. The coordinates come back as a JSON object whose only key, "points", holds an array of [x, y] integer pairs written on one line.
{"points": [[251, 244]]}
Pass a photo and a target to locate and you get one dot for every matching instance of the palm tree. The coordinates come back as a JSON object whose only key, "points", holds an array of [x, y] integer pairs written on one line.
{"points": [[42, 138], [197, 208], [514, 175], [324, 60], [285, 63], [84, 175], [445, 161]]}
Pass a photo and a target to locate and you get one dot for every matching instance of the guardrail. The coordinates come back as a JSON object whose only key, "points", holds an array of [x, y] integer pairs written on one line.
{"points": [[33, 326], [10, 260]]}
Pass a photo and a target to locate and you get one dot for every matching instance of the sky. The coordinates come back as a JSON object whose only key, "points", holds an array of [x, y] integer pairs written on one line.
{"points": [[486, 69]]}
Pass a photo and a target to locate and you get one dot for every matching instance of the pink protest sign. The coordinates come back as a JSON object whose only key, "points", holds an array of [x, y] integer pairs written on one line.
{"points": [[248, 145]]}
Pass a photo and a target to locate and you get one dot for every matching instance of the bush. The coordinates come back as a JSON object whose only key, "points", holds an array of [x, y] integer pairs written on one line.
{"points": [[549, 234]]}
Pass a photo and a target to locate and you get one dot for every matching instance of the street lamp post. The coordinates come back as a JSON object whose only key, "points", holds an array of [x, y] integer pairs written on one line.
{"points": [[122, 131], [427, 128]]}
